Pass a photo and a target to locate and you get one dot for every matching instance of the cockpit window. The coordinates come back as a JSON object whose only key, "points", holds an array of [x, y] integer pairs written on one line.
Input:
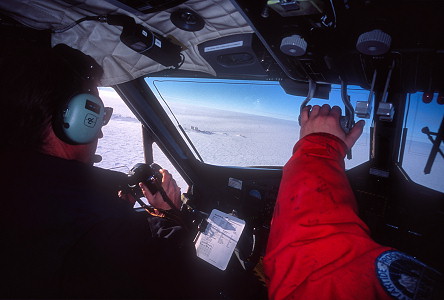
{"points": [[244, 123], [122, 145], [423, 121]]}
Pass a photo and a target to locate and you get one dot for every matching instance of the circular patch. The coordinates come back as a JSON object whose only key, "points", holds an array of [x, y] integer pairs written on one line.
{"points": [[404, 277]]}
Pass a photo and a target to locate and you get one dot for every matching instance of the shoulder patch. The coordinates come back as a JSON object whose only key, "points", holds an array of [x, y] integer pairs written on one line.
{"points": [[404, 277]]}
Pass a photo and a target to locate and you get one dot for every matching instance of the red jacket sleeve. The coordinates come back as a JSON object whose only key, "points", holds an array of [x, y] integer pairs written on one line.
{"points": [[318, 247]]}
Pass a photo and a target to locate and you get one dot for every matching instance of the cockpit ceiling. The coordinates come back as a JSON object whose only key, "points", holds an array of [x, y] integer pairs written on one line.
{"points": [[247, 39], [102, 42]]}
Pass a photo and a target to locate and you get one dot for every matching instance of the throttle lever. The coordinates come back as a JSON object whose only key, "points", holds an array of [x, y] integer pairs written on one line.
{"points": [[347, 121]]}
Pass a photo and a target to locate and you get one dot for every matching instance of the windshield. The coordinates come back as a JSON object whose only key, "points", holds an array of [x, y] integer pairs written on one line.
{"points": [[243, 123]]}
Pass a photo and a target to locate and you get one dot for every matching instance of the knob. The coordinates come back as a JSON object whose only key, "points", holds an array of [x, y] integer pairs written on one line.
{"points": [[375, 42], [293, 45]]}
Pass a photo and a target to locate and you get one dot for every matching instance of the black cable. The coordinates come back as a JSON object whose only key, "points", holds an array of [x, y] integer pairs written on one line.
{"points": [[165, 196], [176, 214], [181, 63], [66, 28]]}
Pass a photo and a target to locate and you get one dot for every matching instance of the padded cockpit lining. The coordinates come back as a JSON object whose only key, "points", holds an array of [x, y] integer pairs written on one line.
{"points": [[102, 42]]}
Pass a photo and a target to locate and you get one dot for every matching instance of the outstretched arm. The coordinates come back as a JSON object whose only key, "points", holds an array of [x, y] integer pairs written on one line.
{"points": [[318, 247]]}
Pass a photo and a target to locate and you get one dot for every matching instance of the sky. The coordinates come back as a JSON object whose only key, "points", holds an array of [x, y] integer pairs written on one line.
{"points": [[255, 97]]}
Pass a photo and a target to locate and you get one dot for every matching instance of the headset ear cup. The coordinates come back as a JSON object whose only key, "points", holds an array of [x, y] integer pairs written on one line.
{"points": [[80, 119]]}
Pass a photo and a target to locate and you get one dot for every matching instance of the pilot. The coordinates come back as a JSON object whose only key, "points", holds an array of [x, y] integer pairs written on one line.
{"points": [[64, 230], [318, 247]]}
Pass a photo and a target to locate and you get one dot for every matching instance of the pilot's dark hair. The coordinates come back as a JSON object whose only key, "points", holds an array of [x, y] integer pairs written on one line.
{"points": [[34, 81]]}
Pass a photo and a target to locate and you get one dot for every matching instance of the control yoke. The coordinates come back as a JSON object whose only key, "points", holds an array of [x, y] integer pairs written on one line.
{"points": [[346, 121]]}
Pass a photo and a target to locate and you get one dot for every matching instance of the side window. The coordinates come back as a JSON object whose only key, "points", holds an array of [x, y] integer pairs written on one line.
{"points": [[161, 159], [421, 118], [121, 146]]}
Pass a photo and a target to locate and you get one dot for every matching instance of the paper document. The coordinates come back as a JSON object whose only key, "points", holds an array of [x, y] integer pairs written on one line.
{"points": [[217, 243]]}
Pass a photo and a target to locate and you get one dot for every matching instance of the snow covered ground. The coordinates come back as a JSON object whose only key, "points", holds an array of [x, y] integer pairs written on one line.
{"points": [[228, 138]]}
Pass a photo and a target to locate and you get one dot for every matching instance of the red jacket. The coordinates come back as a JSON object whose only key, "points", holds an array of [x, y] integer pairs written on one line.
{"points": [[318, 247]]}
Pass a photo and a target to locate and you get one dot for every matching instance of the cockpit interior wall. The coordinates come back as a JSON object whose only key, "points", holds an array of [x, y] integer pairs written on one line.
{"points": [[119, 62]]}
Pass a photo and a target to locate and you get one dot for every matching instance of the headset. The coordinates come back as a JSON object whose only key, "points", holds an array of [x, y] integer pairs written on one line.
{"points": [[79, 119]]}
